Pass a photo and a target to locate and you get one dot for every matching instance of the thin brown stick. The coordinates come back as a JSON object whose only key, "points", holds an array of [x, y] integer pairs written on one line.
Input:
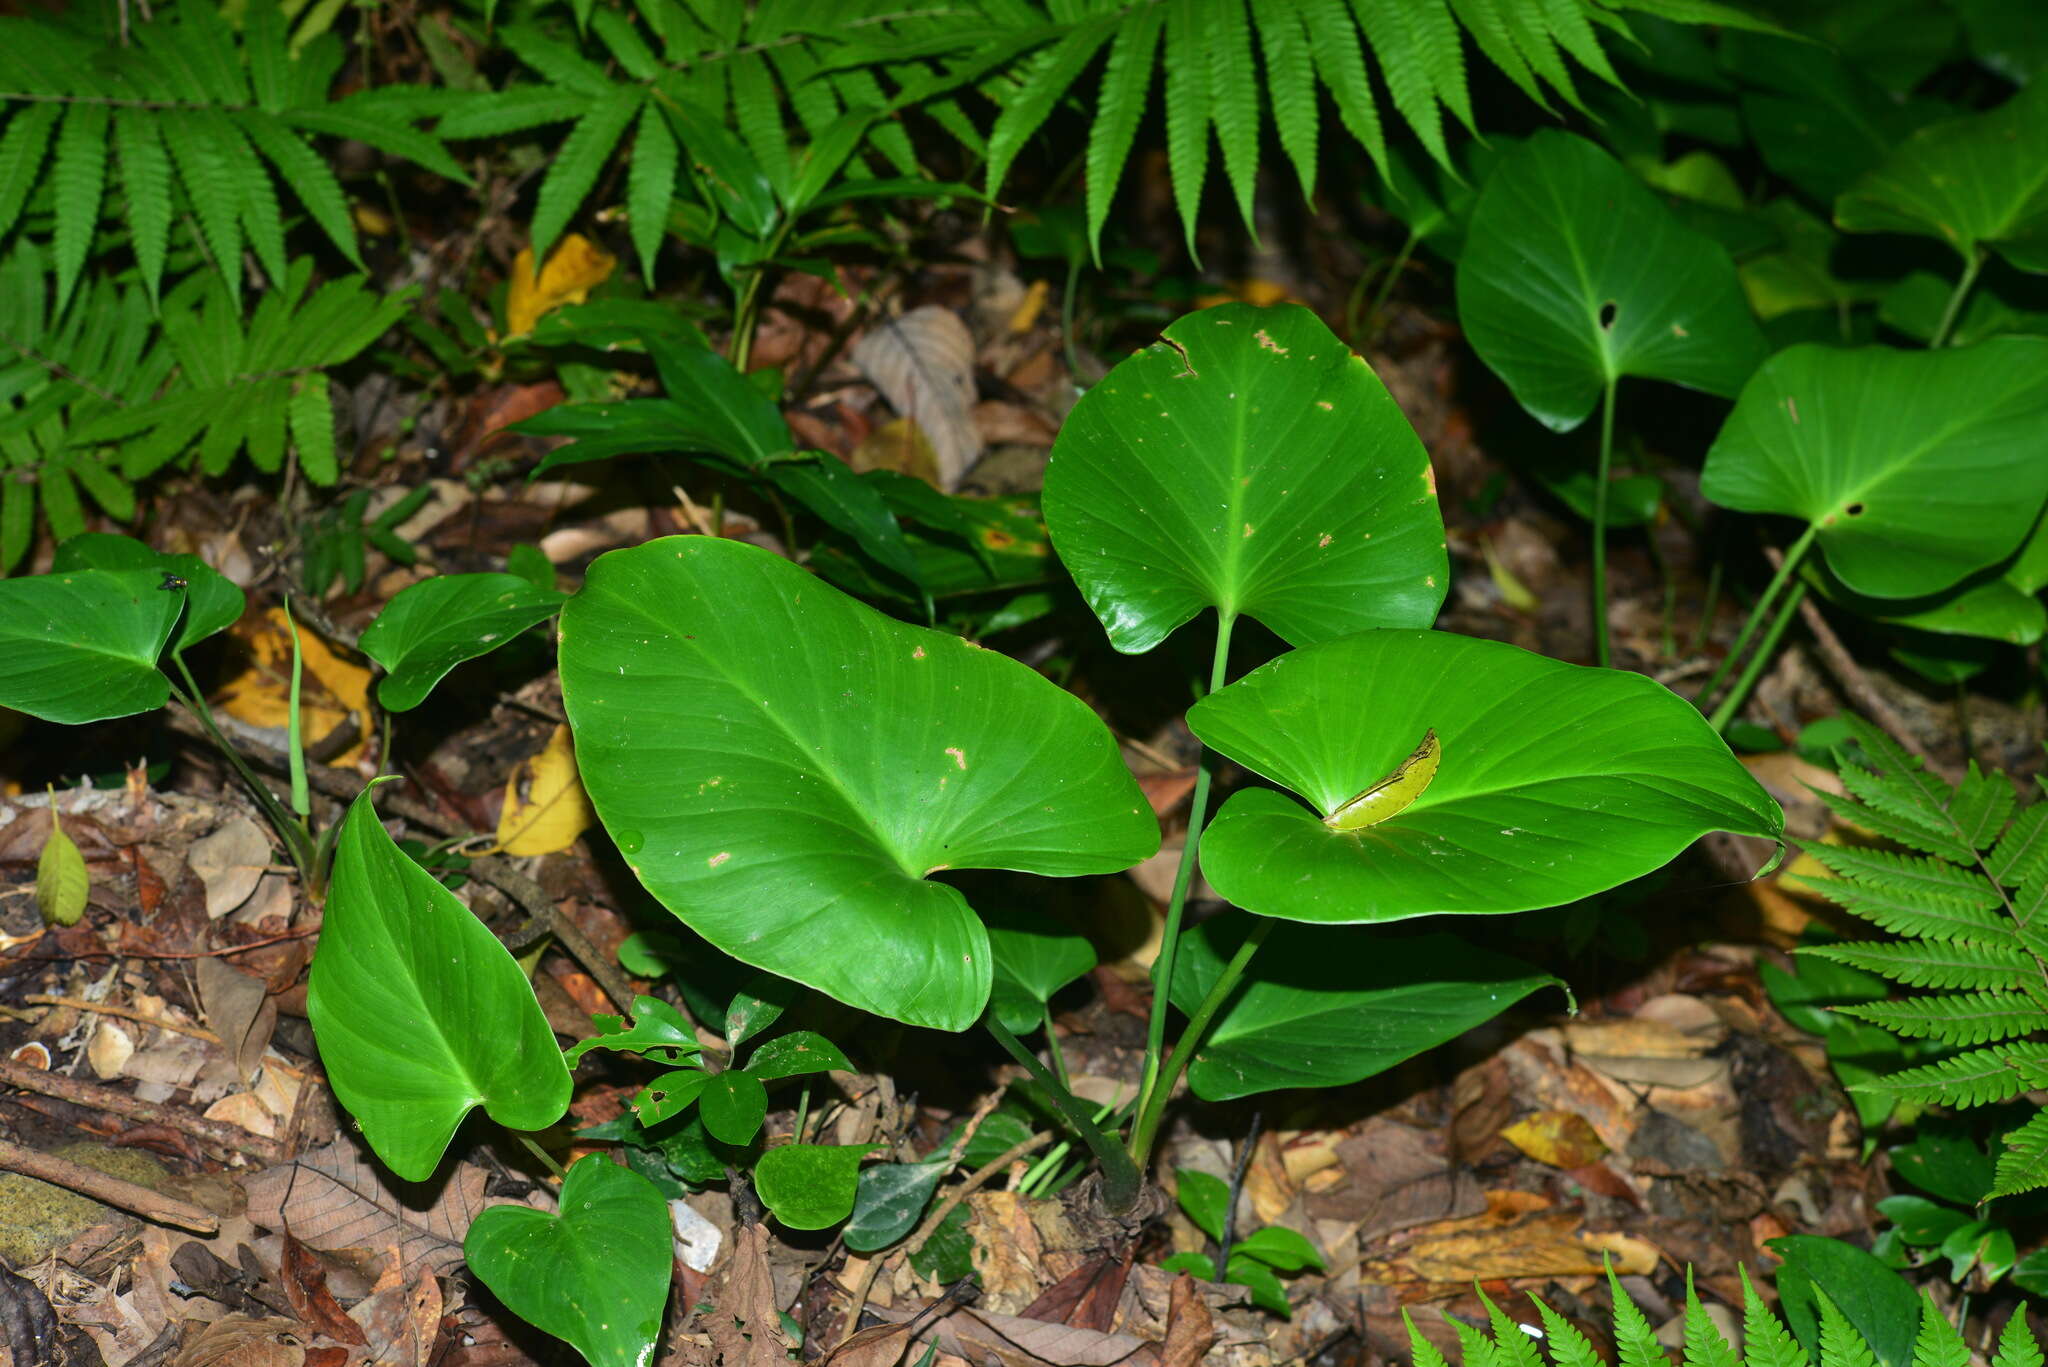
{"points": [[127, 1013], [1862, 694], [110, 1191], [119, 1103], [980, 1178]]}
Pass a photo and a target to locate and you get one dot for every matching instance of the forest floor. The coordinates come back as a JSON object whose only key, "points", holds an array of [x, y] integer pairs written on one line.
{"points": [[1676, 1120]]}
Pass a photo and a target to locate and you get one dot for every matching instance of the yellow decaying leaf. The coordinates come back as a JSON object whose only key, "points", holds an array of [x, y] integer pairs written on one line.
{"points": [[545, 805], [333, 690], [61, 879], [1563, 1139], [575, 267]]}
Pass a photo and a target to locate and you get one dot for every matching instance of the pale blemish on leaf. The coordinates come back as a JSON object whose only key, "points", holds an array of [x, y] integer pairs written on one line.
{"points": [[1247, 529], [1392, 794], [1266, 340], [917, 654], [1679, 331], [715, 860], [959, 755], [1326, 405], [1323, 540], [1792, 408]]}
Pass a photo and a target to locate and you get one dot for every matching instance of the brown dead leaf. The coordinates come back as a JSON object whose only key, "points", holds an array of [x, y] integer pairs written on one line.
{"points": [[230, 862], [545, 805], [923, 362], [1518, 1235], [244, 1341], [333, 1198], [746, 1322], [880, 1346], [573, 269], [305, 1286], [1563, 1139], [402, 1320], [1012, 1340], [1190, 1329], [239, 1009]]}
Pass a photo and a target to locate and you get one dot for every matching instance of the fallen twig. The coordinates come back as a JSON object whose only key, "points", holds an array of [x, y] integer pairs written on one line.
{"points": [[110, 1191], [119, 1103]]}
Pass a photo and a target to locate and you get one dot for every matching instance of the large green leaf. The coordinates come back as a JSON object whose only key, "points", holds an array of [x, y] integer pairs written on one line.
{"points": [[595, 1274], [1915, 468], [438, 623], [421, 1014], [785, 768], [1980, 180], [1246, 461], [82, 646], [1324, 1006], [212, 601], [1554, 781], [1575, 275]]}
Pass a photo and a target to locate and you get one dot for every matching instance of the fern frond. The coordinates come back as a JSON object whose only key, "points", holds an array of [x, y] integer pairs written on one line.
{"points": [[757, 113], [21, 158], [1046, 77], [1704, 1344], [1930, 833], [1420, 1349], [1960, 1018], [1291, 85], [1126, 82], [1905, 875], [1635, 1342], [146, 182], [1939, 963], [1187, 109], [1982, 804], [1840, 1344], [1977, 1078], [1479, 1350], [2016, 1344], [1234, 99], [2021, 854], [1420, 58], [579, 162], [209, 186], [1512, 1347], [2023, 1164], [79, 174], [1568, 1347], [1765, 1340], [1937, 1344]]}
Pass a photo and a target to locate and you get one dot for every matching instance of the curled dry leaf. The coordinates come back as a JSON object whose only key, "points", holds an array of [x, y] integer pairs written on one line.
{"points": [[545, 805], [1190, 1329], [923, 362], [239, 1009], [244, 1341], [745, 1321], [1563, 1139], [573, 269]]}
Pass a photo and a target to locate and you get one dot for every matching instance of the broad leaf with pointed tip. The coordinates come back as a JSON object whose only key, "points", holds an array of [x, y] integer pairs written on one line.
{"points": [[82, 645], [596, 1274], [1916, 468], [810, 1186], [1977, 181], [438, 623], [1249, 462], [1574, 275], [1553, 781], [212, 601], [1035, 956], [785, 768], [420, 1012], [1326, 1006]]}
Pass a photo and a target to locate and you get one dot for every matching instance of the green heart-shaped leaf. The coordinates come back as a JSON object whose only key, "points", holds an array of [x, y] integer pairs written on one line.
{"points": [[595, 1275], [810, 1186], [1914, 468], [421, 1014], [212, 601], [1574, 275], [784, 768], [1974, 181], [82, 646], [438, 623], [795, 1054], [1035, 956], [1551, 782], [733, 1104], [1326, 1006], [1246, 461], [889, 1198]]}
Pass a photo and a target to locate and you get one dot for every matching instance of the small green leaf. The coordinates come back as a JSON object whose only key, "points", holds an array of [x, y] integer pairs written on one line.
{"points": [[810, 1186], [668, 1095], [212, 601], [1035, 956], [799, 1052], [757, 1005], [82, 646], [658, 1029], [888, 1201], [1204, 1198], [596, 1274], [1280, 1247], [61, 879], [1266, 1291], [421, 1014], [733, 1104], [438, 623], [1200, 1266]]}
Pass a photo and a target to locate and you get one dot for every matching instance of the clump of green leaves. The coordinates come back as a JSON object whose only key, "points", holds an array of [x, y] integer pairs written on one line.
{"points": [[1254, 1261], [1962, 899]]}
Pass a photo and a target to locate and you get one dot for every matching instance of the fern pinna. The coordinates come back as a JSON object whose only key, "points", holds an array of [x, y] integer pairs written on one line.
{"points": [[1765, 1340], [1966, 905]]}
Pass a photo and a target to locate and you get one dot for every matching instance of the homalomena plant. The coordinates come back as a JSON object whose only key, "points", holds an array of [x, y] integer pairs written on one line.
{"points": [[794, 774]]}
